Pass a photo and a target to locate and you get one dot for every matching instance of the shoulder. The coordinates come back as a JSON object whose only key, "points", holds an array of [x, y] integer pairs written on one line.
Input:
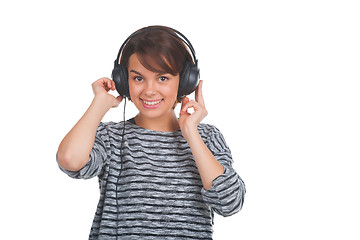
{"points": [[109, 124], [106, 126], [114, 125], [213, 138], [208, 130], [116, 128], [110, 128]]}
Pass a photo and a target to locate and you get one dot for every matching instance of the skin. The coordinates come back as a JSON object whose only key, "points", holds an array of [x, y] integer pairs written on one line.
{"points": [[149, 86], [75, 148]]}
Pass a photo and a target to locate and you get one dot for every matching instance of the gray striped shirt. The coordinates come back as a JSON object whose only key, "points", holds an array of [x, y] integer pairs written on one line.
{"points": [[155, 191]]}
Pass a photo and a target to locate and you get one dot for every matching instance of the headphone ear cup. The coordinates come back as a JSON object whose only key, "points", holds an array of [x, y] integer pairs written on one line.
{"points": [[120, 77], [189, 79]]}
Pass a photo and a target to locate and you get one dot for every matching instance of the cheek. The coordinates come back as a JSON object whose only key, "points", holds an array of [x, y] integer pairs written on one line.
{"points": [[173, 89], [133, 90]]}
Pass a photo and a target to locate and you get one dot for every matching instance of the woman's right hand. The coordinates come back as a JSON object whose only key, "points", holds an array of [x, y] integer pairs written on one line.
{"points": [[101, 88]]}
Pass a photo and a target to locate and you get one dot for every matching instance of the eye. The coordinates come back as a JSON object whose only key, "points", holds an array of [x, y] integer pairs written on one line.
{"points": [[138, 79], [163, 79]]}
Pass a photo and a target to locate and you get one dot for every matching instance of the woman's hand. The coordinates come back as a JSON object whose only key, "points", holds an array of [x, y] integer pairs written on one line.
{"points": [[75, 148], [209, 168], [189, 122], [101, 87]]}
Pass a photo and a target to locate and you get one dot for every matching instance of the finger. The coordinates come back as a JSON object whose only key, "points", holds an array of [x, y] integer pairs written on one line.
{"points": [[119, 99], [100, 85], [184, 102], [103, 80], [112, 85], [107, 83], [191, 104], [117, 102], [198, 94]]}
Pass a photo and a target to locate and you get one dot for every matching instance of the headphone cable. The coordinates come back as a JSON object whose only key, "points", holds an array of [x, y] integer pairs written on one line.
{"points": [[118, 178]]}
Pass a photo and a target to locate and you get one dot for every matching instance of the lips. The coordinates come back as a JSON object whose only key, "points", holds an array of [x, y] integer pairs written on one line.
{"points": [[151, 103]]}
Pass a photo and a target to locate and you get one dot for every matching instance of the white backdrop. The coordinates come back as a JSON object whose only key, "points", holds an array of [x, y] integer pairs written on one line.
{"points": [[281, 81]]}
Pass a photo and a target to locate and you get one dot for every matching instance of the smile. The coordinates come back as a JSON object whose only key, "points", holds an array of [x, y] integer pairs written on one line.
{"points": [[151, 103]]}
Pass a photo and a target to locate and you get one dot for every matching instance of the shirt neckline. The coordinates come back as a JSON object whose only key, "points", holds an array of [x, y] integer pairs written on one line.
{"points": [[133, 123]]}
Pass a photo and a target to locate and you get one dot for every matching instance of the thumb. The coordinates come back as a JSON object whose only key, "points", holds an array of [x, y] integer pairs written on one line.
{"points": [[118, 100]]}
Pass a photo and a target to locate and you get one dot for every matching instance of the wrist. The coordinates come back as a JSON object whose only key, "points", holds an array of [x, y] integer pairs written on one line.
{"points": [[190, 133], [100, 104], [103, 101]]}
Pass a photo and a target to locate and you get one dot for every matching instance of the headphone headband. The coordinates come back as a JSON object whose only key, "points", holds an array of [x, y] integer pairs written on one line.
{"points": [[177, 35]]}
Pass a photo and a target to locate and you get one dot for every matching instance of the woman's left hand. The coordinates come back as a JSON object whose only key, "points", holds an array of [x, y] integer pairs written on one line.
{"points": [[189, 121]]}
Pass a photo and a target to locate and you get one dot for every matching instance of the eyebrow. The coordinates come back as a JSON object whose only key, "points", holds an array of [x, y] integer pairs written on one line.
{"points": [[136, 72]]}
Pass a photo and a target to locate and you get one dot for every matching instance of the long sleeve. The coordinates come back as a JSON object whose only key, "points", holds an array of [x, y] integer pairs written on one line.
{"points": [[226, 195], [98, 156]]}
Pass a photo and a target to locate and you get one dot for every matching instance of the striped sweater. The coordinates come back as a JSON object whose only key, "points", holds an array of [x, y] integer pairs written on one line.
{"points": [[155, 191]]}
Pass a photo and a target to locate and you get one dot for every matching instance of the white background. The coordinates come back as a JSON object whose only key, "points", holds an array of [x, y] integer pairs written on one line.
{"points": [[281, 81]]}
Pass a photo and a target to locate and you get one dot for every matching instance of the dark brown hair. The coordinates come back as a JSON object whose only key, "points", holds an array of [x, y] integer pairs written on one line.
{"points": [[158, 50]]}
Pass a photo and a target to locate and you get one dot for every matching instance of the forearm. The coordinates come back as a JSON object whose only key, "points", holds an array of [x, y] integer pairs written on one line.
{"points": [[75, 148], [208, 167]]}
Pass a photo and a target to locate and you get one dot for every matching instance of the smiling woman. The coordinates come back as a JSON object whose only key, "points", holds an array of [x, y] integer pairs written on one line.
{"points": [[161, 177]]}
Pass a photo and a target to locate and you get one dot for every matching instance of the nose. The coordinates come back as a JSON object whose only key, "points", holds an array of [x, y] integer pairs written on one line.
{"points": [[150, 88]]}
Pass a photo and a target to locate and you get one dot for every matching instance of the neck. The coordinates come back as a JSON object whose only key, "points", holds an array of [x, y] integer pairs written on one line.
{"points": [[168, 123]]}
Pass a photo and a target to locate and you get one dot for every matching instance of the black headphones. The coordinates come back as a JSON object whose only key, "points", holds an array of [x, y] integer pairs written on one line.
{"points": [[189, 76]]}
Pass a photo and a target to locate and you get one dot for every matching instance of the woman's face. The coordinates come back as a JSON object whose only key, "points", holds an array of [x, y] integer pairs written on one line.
{"points": [[153, 94]]}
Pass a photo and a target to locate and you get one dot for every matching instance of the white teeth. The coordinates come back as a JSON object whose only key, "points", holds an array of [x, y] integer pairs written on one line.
{"points": [[152, 102]]}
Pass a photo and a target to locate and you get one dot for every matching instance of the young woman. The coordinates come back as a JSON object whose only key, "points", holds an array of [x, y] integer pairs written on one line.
{"points": [[161, 177]]}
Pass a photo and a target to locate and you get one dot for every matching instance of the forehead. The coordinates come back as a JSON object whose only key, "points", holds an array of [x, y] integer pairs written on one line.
{"points": [[135, 64], [147, 64], [134, 61]]}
